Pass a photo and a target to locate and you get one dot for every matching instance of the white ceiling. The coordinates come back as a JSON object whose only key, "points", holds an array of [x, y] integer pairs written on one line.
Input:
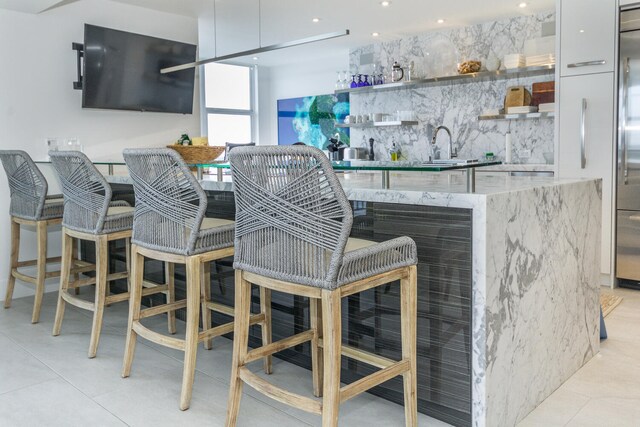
{"points": [[283, 20], [32, 6]]}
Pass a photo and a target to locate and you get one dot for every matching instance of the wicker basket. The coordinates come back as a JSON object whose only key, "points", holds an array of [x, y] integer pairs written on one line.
{"points": [[198, 154]]}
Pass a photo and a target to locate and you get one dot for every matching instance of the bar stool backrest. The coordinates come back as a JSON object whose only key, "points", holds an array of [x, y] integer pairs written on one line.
{"points": [[170, 203], [27, 185], [87, 194], [292, 216]]}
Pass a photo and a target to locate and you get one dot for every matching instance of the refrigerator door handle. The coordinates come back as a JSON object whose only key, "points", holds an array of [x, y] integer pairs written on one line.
{"points": [[583, 142], [587, 63], [623, 115]]}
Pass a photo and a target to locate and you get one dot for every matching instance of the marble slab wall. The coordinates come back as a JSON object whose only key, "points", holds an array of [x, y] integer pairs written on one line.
{"points": [[454, 105]]}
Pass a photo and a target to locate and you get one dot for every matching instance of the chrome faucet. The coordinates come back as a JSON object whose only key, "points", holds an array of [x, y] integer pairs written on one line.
{"points": [[452, 152]]}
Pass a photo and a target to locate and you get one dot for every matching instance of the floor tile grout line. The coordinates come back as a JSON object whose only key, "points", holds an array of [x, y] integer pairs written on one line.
{"points": [[578, 411], [59, 377], [62, 377]]}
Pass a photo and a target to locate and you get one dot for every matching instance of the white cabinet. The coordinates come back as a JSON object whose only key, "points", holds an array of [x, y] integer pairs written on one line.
{"points": [[587, 36], [585, 145]]}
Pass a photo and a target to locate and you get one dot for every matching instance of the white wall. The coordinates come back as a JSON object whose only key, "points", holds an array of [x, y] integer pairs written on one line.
{"points": [[37, 99], [293, 80]]}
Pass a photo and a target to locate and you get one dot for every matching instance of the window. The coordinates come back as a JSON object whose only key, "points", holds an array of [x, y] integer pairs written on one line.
{"points": [[229, 113]]}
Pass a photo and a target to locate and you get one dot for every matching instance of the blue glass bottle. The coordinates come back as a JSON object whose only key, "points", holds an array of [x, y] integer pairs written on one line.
{"points": [[353, 81], [360, 82], [366, 80]]}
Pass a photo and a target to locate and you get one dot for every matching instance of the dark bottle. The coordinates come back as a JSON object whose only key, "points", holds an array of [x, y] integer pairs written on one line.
{"points": [[372, 155]]}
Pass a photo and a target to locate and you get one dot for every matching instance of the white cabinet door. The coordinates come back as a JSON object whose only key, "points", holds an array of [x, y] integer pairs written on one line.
{"points": [[589, 101], [587, 36]]}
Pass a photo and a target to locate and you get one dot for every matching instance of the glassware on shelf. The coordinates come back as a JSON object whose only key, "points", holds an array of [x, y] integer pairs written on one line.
{"points": [[52, 144], [353, 81], [72, 144], [360, 82], [339, 80], [397, 72], [345, 81], [366, 80], [411, 71]]}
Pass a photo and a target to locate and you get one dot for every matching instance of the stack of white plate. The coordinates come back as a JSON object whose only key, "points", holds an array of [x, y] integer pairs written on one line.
{"points": [[539, 60], [514, 60], [520, 110], [549, 107]]}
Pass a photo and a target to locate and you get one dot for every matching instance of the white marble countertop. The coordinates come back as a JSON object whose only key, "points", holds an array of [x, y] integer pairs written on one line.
{"points": [[420, 188], [518, 167], [416, 185]]}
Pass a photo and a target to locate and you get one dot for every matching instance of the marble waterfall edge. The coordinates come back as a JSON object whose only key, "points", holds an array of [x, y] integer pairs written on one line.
{"points": [[541, 299]]}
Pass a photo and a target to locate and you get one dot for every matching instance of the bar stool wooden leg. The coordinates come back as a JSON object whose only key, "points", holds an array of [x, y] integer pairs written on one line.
{"points": [[317, 364], [135, 301], [408, 316], [332, 348], [265, 308], [127, 255], [194, 266], [169, 272], [240, 342], [65, 269], [13, 262], [102, 269], [76, 257], [206, 297], [41, 265]]}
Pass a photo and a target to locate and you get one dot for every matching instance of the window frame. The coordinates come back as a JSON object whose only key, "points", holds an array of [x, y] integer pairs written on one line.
{"points": [[252, 112]]}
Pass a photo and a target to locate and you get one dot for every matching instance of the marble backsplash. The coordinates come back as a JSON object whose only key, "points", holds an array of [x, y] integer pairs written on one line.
{"points": [[454, 105]]}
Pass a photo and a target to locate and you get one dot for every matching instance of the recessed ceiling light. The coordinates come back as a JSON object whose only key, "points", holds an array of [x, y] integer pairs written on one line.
{"points": [[582, 31], [255, 58], [385, 3], [522, 5], [440, 21], [316, 20], [374, 34]]}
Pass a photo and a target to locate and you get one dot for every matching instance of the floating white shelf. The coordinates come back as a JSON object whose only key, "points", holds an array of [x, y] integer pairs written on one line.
{"points": [[377, 124], [520, 116], [458, 78]]}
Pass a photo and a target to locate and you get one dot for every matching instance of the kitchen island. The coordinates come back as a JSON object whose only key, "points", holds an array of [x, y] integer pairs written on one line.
{"points": [[508, 287], [508, 282]]}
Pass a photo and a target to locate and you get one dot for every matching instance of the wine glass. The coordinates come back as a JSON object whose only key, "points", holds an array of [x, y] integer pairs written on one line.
{"points": [[339, 80], [345, 81]]}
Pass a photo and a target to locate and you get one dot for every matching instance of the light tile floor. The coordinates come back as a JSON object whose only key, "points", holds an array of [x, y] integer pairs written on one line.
{"points": [[49, 381], [606, 391]]}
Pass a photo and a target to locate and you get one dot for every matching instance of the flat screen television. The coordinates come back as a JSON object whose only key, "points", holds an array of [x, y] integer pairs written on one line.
{"points": [[122, 72]]}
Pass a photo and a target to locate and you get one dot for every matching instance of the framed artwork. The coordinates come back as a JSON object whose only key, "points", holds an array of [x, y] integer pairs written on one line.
{"points": [[312, 119]]}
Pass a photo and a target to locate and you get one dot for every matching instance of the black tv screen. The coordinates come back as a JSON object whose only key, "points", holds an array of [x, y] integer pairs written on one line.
{"points": [[122, 72]]}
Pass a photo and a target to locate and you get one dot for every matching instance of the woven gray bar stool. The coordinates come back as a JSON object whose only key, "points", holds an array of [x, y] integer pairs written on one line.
{"points": [[90, 214], [31, 206], [293, 222], [170, 225]]}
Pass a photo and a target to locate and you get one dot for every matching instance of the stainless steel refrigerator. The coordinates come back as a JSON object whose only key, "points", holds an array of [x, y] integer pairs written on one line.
{"points": [[628, 182]]}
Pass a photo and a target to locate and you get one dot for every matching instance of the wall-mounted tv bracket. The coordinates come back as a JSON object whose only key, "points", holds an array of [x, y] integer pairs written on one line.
{"points": [[79, 48]]}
